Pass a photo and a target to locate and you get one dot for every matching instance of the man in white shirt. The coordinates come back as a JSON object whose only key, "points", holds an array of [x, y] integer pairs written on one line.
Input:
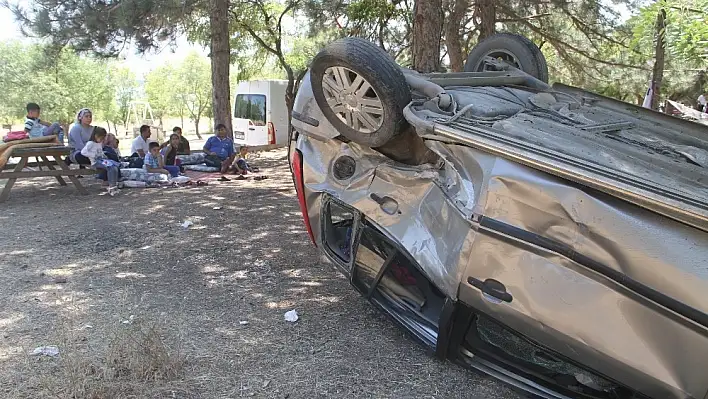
{"points": [[702, 101], [140, 145]]}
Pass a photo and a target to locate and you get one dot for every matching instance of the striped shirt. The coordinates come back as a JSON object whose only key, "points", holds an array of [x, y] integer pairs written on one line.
{"points": [[34, 128]]}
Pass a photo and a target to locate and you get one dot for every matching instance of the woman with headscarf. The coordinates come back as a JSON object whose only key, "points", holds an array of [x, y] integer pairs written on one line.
{"points": [[79, 135]]}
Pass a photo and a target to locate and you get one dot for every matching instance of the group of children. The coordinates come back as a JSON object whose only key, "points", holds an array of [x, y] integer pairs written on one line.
{"points": [[154, 161]]}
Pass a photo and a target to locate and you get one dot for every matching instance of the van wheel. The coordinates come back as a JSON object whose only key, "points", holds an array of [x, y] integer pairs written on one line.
{"points": [[360, 90], [515, 50]]}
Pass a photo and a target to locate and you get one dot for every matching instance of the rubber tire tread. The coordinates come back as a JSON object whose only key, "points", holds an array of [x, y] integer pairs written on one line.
{"points": [[383, 74], [529, 55]]}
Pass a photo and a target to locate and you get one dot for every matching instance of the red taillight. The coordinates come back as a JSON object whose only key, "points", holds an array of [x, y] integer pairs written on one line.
{"points": [[271, 133], [300, 189]]}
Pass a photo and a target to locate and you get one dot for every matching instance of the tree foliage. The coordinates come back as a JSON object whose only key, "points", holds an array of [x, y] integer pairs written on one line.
{"points": [[193, 87], [125, 86], [61, 85], [105, 27], [181, 90], [586, 42], [160, 86]]}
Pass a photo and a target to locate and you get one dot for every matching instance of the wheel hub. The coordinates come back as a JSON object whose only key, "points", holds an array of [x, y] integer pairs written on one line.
{"points": [[351, 102]]}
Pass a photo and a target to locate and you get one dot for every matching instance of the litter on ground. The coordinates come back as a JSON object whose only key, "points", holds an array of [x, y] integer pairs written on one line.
{"points": [[46, 351], [291, 316]]}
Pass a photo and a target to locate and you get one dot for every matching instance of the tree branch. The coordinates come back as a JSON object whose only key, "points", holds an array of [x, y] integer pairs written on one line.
{"points": [[560, 43], [535, 16], [290, 6], [279, 39], [253, 34], [693, 10]]}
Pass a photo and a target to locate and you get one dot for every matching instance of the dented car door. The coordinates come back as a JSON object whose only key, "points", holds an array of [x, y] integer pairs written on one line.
{"points": [[547, 264]]}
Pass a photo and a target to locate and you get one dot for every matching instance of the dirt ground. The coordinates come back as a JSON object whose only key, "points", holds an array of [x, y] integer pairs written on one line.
{"points": [[141, 307]]}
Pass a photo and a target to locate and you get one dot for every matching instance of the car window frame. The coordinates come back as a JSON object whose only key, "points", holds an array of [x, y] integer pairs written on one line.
{"points": [[328, 199], [359, 223]]}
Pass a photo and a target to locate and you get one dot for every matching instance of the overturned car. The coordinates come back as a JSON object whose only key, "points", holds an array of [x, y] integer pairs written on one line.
{"points": [[545, 235]]}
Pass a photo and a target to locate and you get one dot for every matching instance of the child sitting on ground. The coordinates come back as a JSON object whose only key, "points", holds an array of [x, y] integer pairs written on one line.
{"points": [[171, 150], [35, 127], [241, 166], [110, 147], [153, 162], [93, 150]]}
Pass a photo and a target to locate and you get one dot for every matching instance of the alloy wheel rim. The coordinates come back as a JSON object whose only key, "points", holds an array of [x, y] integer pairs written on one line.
{"points": [[352, 99]]}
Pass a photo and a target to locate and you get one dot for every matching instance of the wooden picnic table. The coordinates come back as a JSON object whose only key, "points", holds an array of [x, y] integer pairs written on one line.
{"points": [[44, 153]]}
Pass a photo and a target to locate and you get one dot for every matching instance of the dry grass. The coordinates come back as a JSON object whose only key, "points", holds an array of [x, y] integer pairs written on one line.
{"points": [[136, 358]]}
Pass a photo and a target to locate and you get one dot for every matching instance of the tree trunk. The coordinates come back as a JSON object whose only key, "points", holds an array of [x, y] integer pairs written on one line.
{"points": [[427, 30], [196, 127], [487, 16], [220, 62], [657, 75], [453, 38]]}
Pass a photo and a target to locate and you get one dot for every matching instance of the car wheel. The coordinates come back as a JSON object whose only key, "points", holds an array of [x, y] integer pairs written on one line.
{"points": [[360, 90], [516, 50]]}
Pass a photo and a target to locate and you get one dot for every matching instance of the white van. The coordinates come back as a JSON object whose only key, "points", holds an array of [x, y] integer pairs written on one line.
{"points": [[260, 114]]}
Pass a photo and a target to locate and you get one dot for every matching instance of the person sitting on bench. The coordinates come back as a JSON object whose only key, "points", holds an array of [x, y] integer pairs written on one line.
{"points": [[79, 135], [35, 127]]}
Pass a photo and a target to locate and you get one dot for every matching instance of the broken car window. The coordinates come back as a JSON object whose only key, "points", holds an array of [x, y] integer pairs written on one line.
{"points": [[339, 229]]}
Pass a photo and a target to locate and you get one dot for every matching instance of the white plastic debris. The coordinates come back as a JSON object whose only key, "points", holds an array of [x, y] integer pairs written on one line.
{"points": [[243, 322], [130, 320], [187, 223], [216, 208], [46, 351], [291, 316]]}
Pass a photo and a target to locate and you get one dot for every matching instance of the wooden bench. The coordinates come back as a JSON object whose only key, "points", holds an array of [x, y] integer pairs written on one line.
{"points": [[12, 172]]}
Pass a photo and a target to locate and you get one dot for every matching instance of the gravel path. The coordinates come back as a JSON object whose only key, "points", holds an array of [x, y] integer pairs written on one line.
{"points": [[86, 273]]}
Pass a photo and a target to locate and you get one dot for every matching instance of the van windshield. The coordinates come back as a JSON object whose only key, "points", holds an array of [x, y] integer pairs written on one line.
{"points": [[251, 107]]}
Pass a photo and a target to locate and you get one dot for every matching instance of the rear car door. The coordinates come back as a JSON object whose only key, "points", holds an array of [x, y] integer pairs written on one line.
{"points": [[570, 317]]}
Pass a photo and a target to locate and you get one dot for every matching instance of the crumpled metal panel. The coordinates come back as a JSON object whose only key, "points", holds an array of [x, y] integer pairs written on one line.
{"points": [[657, 163], [657, 251], [306, 106], [429, 226], [582, 314]]}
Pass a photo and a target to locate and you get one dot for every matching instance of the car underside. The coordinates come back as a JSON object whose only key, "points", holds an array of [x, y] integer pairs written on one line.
{"points": [[544, 235]]}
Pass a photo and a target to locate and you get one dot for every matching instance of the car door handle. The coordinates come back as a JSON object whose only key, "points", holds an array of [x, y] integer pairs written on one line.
{"points": [[492, 288], [251, 128]]}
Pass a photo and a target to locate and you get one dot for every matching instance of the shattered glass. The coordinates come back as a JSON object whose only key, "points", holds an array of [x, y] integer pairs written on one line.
{"points": [[499, 337]]}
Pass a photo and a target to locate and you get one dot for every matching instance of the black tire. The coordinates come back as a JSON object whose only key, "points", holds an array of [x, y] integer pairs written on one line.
{"points": [[529, 57], [383, 75]]}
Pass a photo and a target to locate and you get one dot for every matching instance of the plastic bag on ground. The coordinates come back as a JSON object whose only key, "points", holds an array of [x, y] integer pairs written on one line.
{"points": [[291, 316]]}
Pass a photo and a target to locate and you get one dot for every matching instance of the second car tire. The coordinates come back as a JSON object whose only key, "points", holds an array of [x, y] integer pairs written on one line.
{"points": [[529, 57]]}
